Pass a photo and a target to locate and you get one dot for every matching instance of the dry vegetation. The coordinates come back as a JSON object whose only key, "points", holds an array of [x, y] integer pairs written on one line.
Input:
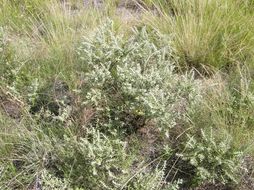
{"points": [[128, 95]]}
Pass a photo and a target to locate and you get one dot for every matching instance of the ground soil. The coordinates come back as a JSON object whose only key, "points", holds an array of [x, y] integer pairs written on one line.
{"points": [[10, 105]]}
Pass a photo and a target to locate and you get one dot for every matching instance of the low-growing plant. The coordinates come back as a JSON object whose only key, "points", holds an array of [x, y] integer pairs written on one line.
{"points": [[227, 104], [92, 162], [16, 13], [2, 46], [4, 64], [11, 70], [151, 179], [49, 181], [2, 42], [214, 160], [26, 154]]}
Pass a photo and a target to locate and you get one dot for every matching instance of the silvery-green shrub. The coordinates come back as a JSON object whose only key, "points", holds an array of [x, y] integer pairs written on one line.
{"points": [[132, 82], [152, 180], [214, 159], [93, 161]]}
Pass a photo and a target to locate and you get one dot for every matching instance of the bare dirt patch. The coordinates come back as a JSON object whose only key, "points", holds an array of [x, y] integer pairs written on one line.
{"points": [[10, 105]]}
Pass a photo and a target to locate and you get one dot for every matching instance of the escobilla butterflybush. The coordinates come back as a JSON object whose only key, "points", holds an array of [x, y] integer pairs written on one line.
{"points": [[134, 79]]}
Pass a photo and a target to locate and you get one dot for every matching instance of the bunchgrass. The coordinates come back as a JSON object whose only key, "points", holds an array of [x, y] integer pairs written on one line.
{"points": [[207, 33]]}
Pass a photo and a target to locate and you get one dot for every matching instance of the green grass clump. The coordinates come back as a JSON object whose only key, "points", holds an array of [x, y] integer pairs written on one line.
{"points": [[91, 161], [228, 105], [18, 14], [208, 33]]}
